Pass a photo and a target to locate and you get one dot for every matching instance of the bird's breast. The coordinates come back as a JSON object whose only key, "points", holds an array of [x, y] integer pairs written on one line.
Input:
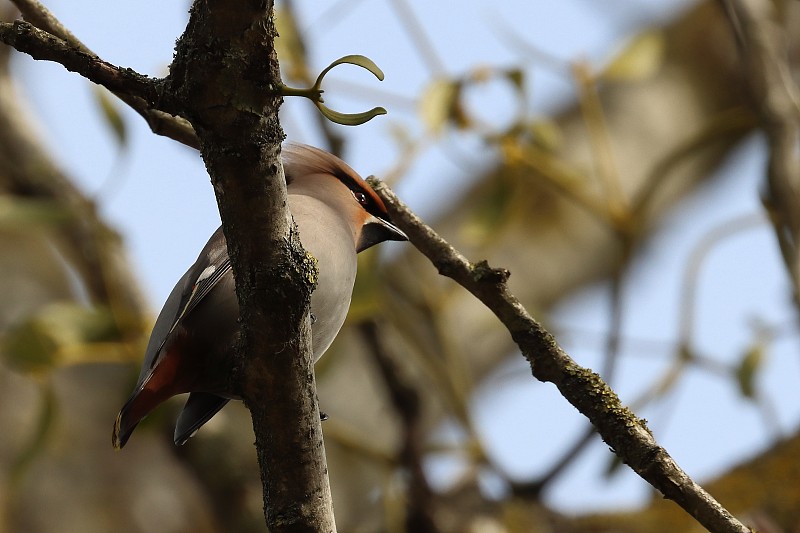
{"points": [[330, 240]]}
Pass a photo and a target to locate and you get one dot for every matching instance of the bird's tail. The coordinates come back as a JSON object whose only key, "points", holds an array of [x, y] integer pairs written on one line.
{"points": [[128, 418], [199, 409], [167, 378], [144, 399]]}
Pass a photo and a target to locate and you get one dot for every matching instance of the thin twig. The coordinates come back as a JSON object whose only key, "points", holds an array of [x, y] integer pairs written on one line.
{"points": [[697, 258], [610, 363], [41, 45], [427, 51], [160, 121], [627, 435], [406, 401], [764, 45]]}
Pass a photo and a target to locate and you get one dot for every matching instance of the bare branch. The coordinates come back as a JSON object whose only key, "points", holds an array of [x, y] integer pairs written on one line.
{"points": [[406, 401], [627, 435], [160, 121], [764, 45], [41, 45], [37, 14]]}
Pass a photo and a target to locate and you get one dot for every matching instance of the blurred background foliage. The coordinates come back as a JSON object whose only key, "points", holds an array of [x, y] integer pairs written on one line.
{"points": [[573, 204]]}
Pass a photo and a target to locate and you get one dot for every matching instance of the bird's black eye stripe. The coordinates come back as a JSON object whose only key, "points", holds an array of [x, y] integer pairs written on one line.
{"points": [[367, 203], [361, 197]]}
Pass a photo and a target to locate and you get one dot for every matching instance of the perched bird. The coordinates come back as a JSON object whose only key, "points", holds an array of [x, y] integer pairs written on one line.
{"points": [[338, 215]]}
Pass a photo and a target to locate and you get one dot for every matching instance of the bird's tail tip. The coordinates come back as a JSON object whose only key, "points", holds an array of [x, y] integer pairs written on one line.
{"points": [[153, 390], [128, 418], [118, 436]]}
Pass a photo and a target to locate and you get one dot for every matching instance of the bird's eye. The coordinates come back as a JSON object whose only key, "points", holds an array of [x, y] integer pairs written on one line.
{"points": [[360, 197]]}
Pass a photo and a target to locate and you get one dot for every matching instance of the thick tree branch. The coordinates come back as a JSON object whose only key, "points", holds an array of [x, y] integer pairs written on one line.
{"points": [[225, 73], [627, 435]]}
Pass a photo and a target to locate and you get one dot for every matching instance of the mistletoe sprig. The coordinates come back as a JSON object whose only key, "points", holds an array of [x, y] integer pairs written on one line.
{"points": [[314, 93]]}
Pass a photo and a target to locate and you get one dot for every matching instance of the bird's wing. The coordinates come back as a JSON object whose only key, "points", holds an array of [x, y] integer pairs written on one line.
{"points": [[206, 280], [211, 266]]}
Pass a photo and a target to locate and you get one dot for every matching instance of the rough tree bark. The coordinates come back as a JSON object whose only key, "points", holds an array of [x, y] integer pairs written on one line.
{"points": [[225, 76]]}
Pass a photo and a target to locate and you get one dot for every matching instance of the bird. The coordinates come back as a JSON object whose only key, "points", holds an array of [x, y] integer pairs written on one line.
{"points": [[195, 334]]}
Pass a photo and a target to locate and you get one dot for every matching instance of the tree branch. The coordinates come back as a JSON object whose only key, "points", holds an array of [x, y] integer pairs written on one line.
{"points": [[764, 46], [225, 73], [161, 122], [627, 435], [41, 45], [420, 505]]}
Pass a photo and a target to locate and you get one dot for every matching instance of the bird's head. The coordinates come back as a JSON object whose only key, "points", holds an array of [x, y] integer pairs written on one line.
{"points": [[325, 176]]}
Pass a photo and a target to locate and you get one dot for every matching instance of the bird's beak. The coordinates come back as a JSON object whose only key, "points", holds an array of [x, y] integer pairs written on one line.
{"points": [[376, 230]]}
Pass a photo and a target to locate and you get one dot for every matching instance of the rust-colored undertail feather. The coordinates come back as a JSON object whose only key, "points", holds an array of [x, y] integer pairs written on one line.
{"points": [[167, 378]]}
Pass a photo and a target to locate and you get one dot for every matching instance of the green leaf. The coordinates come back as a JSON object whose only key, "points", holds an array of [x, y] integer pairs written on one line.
{"points": [[17, 212], [57, 335], [748, 368], [314, 93], [112, 115], [349, 119], [355, 59]]}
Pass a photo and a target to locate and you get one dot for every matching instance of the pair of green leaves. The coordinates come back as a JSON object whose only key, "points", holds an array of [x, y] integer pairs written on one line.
{"points": [[314, 93]]}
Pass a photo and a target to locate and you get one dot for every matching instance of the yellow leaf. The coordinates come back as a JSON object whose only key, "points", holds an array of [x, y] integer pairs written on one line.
{"points": [[639, 60], [546, 134], [438, 101], [291, 50]]}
